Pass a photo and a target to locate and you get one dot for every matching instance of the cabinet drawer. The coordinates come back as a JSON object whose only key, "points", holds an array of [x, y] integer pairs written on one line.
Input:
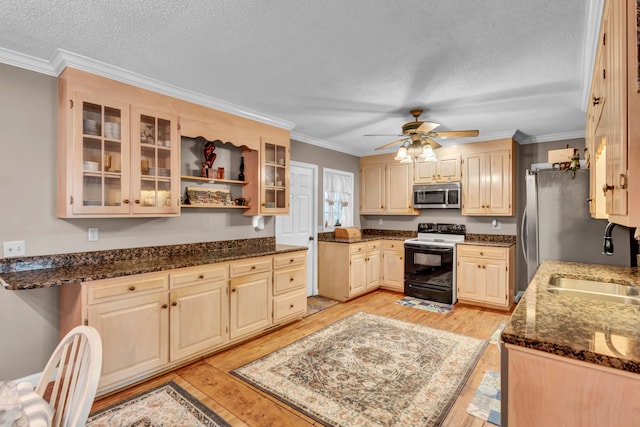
{"points": [[359, 248], [125, 286], [289, 305], [286, 280], [201, 274], [372, 246], [250, 266], [290, 259], [393, 244], [482, 251]]}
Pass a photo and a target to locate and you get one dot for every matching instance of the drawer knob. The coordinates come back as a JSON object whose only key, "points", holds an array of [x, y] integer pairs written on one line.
{"points": [[291, 306], [132, 288], [481, 253], [253, 267], [291, 279], [201, 276]]}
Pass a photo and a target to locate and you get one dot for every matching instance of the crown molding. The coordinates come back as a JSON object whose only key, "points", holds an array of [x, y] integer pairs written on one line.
{"points": [[300, 137], [64, 58], [522, 138], [27, 62]]}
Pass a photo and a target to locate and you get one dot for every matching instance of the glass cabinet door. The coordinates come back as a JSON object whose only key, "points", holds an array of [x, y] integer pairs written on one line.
{"points": [[155, 163], [101, 183], [275, 185]]}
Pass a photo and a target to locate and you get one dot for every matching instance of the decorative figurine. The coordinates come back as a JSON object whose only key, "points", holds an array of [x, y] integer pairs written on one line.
{"points": [[241, 176], [209, 158]]}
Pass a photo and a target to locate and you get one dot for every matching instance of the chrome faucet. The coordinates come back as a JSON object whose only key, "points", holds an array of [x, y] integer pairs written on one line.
{"points": [[608, 240]]}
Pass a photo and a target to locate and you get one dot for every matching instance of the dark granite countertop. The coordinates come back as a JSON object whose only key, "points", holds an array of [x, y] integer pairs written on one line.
{"points": [[578, 328], [487, 243], [56, 270]]}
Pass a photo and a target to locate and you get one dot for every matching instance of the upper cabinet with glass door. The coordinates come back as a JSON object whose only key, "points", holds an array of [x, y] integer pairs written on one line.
{"points": [[275, 177], [99, 177], [155, 163], [116, 160]]}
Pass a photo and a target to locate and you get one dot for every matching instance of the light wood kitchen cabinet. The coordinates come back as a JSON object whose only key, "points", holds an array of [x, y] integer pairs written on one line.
{"points": [[115, 159], [289, 286], [485, 275], [199, 310], [385, 186], [446, 169], [131, 315], [487, 184], [584, 394], [614, 135], [348, 270], [393, 265], [251, 293], [275, 177]]}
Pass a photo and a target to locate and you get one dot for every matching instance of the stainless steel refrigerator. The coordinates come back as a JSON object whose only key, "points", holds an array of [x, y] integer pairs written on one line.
{"points": [[557, 225]]}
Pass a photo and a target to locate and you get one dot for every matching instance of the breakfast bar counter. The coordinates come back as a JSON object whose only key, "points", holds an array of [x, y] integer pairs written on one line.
{"points": [[582, 328], [57, 270]]}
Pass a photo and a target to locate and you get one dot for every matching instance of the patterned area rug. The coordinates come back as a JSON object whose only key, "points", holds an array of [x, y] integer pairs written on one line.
{"points": [[369, 370], [436, 307], [317, 303], [486, 401], [165, 405]]}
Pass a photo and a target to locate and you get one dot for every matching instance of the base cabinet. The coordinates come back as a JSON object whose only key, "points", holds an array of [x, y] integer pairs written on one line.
{"points": [[153, 322], [348, 270], [547, 390], [393, 265], [485, 275]]}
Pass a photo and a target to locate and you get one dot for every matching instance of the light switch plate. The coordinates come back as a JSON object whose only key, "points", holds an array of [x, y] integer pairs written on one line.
{"points": [[92, 234]]}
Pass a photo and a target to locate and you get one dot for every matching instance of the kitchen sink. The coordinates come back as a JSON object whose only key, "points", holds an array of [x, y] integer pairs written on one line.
{"points": [[595, 290]]}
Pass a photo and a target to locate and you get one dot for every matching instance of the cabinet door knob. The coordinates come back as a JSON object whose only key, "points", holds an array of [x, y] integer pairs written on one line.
{"points": [[125, 201], [606, 187], [596, 100], [291, 306], [484, 266], [233, 290], [253, 267], [479, 266], [164, 306], [201, 276], [291, 260], [175, 303], [132, 288], [137, 201], [291, 279]]}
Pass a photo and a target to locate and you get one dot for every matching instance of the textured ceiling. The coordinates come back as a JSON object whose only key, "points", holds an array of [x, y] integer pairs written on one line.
{"points": [[337, 69]]}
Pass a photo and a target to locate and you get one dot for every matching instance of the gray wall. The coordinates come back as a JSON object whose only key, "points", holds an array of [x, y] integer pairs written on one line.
{"points": [[326, 158]]}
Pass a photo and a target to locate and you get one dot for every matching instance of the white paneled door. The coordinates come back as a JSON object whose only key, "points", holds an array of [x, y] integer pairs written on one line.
{"points": [[298, 228]]}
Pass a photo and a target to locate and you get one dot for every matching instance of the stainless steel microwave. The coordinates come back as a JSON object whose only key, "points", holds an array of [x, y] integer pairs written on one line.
{"points": [[437, 196]]}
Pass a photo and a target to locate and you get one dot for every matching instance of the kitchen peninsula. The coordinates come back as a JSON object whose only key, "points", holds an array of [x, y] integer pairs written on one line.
{"points": [[570, 360]]}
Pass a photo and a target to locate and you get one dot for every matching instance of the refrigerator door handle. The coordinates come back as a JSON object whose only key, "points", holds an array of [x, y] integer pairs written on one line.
{"points": [[523, 234]]}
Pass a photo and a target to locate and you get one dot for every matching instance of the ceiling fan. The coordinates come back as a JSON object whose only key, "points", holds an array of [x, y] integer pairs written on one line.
{"points": [[417, 138]]}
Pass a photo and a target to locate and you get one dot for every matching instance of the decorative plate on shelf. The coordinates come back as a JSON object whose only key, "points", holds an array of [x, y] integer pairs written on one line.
{"points": [[208, 196]]}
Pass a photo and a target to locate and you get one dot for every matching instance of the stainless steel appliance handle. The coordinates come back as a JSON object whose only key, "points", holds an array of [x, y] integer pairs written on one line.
{"points": [[523, 236]]}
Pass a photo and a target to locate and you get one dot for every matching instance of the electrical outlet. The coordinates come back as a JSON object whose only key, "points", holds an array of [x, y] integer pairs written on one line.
{"points": [[380, 221], [92, 234], [14, 248], [496, 225]]}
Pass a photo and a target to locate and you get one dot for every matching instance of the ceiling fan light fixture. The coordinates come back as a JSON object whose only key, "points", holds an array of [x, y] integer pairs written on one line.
{"points": [[415, 149], [428, 154], [402, 153]]}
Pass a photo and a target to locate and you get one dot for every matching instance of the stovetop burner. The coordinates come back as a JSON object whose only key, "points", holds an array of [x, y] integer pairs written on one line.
{"points": [[439, 234]]}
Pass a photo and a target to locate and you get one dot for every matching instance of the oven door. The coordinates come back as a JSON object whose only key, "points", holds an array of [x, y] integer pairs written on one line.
{"points": [[428, 272]]}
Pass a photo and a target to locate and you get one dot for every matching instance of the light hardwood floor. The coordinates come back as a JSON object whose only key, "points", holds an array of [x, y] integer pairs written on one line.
{"points": [[209, 379]]}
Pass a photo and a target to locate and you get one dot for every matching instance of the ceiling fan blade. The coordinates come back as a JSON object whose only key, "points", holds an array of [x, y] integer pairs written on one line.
{"points": [[391, 143], [382, 134], [427, 127], [455, 133], [432, 143]]}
